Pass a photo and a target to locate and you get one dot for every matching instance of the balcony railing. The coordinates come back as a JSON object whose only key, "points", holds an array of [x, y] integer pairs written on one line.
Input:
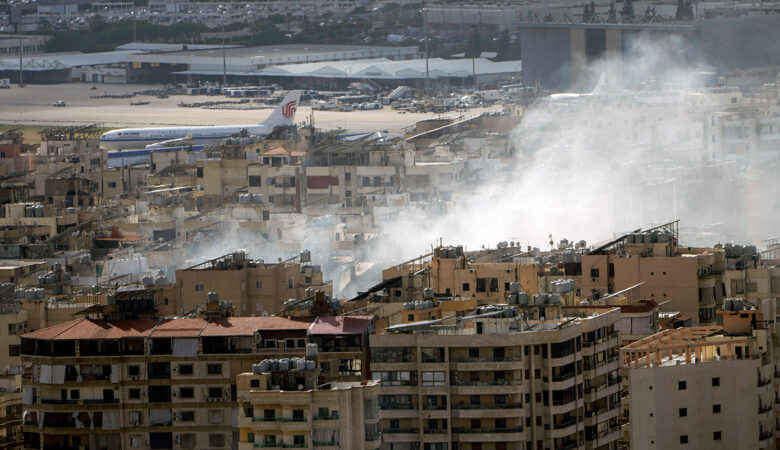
{"points": [[563, 377], [489, 359], [487, 430], [493, 406], [330, 417], [435, 431], [435, 407], [326, 444], [402, 430], [763, 409], [565, 423], [396, 407], [100, 401], [762, 382], [486, 383]]}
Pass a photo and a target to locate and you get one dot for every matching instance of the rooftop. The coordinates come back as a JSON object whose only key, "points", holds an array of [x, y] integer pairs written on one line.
{"points": [[340, 325], [166, 328]]}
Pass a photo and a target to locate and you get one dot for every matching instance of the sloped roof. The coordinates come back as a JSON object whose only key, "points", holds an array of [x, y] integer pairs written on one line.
{"points": [[340, 325]]}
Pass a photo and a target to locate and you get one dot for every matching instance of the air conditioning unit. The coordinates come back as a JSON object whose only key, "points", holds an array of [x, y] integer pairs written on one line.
{"points": [[175, 393], [134, 377]]}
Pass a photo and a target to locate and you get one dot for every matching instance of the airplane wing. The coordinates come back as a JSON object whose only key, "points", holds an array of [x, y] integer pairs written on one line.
{"points": [[187, 140]]}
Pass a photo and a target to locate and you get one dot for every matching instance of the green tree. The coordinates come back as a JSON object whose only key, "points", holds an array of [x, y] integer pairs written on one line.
{"points": [[475, 47], [627, 13], [684, 10], [612, 13], [586, 14]]}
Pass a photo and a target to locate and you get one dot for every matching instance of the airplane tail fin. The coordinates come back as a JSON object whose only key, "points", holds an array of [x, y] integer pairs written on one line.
{"points": [[601, 85], [284, 114]]}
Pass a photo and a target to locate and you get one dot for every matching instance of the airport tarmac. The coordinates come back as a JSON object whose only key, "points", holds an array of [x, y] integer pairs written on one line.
{"points": [[33, 105]]}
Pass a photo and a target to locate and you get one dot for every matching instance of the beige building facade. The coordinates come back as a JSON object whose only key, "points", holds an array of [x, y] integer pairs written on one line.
{"points": [[499, 381]]}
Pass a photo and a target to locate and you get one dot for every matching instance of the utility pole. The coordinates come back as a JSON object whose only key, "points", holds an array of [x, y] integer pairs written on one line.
{"points": [[21, 74]]}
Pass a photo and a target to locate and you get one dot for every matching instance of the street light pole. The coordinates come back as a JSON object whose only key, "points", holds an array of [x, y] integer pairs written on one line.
{"points": [[427, 70], [224, 58]]}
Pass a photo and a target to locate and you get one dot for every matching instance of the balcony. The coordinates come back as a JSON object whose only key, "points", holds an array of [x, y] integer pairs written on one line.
{"points": [[330, 417], [487, 430], [402, 431], [489, 434], [435, 431], [280, 351], [487, 364]]}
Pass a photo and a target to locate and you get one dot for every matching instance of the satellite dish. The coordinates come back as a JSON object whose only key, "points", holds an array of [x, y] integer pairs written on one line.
{"points": [[300, 387]]}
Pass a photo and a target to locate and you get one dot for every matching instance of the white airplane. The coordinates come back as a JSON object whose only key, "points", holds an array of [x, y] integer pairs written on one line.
{"points": [[186, 140], [138, 138], [600, 89]]}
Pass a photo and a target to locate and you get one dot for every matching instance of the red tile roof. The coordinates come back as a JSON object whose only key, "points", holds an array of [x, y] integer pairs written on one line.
{"points": [[244, 326], [166, 328], [340, 325]]}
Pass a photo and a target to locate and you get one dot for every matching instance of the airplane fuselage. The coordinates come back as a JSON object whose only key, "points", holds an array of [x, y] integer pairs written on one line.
{"points": [[135, 138]]}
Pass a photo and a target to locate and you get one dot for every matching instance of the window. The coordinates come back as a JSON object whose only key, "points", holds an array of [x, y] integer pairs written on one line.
{"points": [[433, 378], [188, 440], [74, 394], [473, 352], [501, 423], [185, 369], [13, 350], [476, 423], [594, 273], [466, 287], [214, 369], [481, 284], [716, 436], [269, 414], [188, 416], [258, 284], [11, 328], [134, 393], [716, 409], [198, 288], [299, 439], [499, 399], [474, 399], [255, 181], [683, 412], [681, 385], [215, 392], [216, 440], [298, 415], [494, 285], [134, 371], [186, 392], [255, 383], [112, 184], [716, 382], [684, 439], [199, 172], [411, 317]]}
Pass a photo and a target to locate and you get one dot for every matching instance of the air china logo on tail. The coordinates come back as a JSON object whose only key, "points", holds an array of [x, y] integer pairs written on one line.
{"points": [[289, 109]]}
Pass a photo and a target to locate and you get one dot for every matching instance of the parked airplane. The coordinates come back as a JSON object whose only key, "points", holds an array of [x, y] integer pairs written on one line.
{"points": [[135, 138], [600, 89]]}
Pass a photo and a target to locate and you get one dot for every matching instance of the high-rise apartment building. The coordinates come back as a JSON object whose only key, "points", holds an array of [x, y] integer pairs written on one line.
{"points": [[704, 387], [500, 378], [254, 287], [283, 405], [162, 383]]}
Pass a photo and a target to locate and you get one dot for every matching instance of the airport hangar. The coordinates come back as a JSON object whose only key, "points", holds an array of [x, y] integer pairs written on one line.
{"points": [[571, 56], [154, 63]]}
